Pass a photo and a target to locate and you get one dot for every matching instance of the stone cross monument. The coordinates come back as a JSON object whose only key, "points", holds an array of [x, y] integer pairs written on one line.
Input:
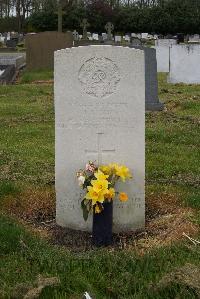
{"points": [[109, 28], [84, 24]]}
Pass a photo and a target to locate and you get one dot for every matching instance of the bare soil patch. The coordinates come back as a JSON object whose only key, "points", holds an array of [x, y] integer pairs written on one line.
{"points": [[166, 221]]}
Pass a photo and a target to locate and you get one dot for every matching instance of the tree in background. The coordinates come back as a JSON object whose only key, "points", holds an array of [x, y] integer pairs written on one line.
{"points": [[99, 12], [160, 16]]}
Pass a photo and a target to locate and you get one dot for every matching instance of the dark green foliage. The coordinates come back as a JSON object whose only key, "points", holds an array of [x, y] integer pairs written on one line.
{"points": [[43, 21], [8, 24], [99, 13], [171, 16]]}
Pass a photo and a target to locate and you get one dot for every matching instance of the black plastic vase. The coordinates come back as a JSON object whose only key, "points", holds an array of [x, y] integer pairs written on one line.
{"points": [[102, 226]]}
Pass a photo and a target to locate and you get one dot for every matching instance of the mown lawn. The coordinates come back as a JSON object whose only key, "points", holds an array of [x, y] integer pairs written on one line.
{"points": [[27, 168]]}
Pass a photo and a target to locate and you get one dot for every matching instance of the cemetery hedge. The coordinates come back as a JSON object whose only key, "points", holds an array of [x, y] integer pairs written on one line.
{"points": [[176, 16], [164, 17], [27, 195]]}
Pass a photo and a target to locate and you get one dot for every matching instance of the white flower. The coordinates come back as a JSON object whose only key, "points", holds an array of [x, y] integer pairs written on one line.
{"points": [[81, 180]]}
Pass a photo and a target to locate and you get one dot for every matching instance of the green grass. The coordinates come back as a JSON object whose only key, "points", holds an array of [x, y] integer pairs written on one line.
{"points": [[31, 76], [172, 141], [27, 161], [104, 274]]}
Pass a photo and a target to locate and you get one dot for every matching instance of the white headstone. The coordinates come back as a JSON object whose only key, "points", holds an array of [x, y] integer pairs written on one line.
{"points": [[127, 38], [150, 36], [184, 62], [104, 36], [165, 42], [194, 38], [1, 72], [89, 34], [8, 36], [118, 38], [95, 36], [2, 38], [100, 115], [162, 56], [144, 35], [133, 34]]}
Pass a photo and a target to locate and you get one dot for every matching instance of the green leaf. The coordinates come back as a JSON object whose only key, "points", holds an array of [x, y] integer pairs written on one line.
{"points": [[85, 210]]}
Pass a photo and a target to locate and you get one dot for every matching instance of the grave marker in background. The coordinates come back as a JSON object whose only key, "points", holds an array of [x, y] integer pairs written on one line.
{"points": [[109, 28], [84, 24], [162, 56], [40, 48], [152, 102], [184, 62], [165, 42]]}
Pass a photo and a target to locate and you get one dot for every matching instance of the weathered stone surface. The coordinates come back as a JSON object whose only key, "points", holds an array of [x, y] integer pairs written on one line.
{"points": [[162, 47], [7, 74], [151, 81], [162, 56], [165, 42], [40, 48], [16, 59], [152, 102], [184, 61], [135, 42], [100, 108]]}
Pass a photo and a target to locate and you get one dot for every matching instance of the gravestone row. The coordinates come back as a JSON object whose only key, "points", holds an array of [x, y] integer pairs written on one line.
{"points": [[184, 60], [40, 56], [40, 48]]}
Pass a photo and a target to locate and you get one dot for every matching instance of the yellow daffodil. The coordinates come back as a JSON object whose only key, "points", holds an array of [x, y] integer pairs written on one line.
{"points": [[123, 196], [100, 175], [113, 167], [123, 172], [100, 185], [106, 169], [110, 194], [94, 196]]}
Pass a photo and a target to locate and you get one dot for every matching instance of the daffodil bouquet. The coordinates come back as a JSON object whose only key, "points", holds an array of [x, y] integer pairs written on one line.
{"points": [[99, 182]]}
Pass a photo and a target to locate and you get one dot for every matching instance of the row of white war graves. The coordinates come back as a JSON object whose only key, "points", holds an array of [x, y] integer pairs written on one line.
{"points": [[180, 61], [40, 49], [11, 39], [16, 37], [100, 95]]}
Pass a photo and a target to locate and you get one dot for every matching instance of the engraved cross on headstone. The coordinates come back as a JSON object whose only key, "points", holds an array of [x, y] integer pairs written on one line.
{"points": [[109, 28], [100, 151], [84, 24]]}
